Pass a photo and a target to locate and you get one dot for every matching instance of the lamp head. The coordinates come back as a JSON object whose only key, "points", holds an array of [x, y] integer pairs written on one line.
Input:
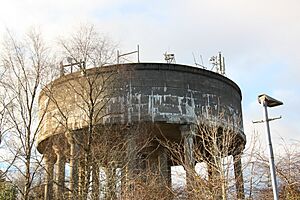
{"points": [[268, 101]]}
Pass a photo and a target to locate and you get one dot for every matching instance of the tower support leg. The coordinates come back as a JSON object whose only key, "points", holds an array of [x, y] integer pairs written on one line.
{"points": [[74, 157], [49, 161], [164, 167], [239, 182], [188, 135], [60, 172], [95, 181]]}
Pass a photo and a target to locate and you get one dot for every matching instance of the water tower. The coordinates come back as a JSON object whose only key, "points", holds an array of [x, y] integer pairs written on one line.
{"points": [[142, 103]]}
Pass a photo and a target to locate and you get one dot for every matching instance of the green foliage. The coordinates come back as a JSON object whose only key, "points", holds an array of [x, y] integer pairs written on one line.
{"points": [[7, 191]]}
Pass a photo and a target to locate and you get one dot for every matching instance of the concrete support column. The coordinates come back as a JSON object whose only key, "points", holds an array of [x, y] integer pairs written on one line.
{"points": [[164, 167], [111, 192], [95, 181], [152, 164], [132, 165], [214, 177], [60, 172], [239, 181], [49, 162], [169, 172], [210, 175], [188, 134], [74, 158], [81, 174], [124, 179]]}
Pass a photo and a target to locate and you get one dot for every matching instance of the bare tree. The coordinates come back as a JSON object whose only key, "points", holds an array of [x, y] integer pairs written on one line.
{"points": [[89, 46], [88, 92], [26, 62], [213, 145], [287, 170], [93, 93]]}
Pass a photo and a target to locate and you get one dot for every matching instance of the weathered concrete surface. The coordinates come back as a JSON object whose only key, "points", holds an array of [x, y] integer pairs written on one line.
{"points": [[175, 94], [144, 92]]}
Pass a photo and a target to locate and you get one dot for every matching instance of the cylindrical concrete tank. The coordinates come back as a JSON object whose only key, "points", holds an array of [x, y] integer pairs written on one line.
{"points": [[169, 94]]}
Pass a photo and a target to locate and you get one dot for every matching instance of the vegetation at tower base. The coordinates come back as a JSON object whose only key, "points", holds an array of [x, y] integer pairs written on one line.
{"points": [[258, 179], [7, 191], [213, 147]]}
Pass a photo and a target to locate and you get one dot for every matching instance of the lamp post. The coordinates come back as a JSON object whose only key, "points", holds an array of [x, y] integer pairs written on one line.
{"points": [[268, 101]]}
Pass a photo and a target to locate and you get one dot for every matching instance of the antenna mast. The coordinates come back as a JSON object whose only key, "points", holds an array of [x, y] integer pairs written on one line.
{"points": [[81, 64], [218, 63], [126, 54], [197, 64]]}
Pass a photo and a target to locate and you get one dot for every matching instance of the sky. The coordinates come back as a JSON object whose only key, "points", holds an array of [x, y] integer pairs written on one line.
{"points": [[259, 39]]}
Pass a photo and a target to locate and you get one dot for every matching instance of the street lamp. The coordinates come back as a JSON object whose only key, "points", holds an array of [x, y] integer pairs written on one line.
{"points": [[268, 101]]}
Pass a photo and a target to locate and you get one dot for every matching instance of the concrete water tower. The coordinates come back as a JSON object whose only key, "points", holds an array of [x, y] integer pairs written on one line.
{"points": [[153, 102]]}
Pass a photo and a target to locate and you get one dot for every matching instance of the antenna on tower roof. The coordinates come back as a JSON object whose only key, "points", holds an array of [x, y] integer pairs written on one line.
{"points": [[170, 57], [218, 63], [126, 54], [197, 64]]}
